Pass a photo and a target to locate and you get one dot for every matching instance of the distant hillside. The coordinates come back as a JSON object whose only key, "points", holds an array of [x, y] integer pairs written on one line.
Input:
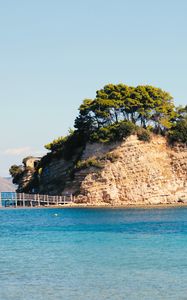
{"points": [[6, 185]]}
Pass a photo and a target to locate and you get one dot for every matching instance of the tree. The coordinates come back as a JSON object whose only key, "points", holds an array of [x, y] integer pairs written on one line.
{"points": [[56, 144], [116, 110], [141, 105], [16, 173], [180, 113], [179, 132]]}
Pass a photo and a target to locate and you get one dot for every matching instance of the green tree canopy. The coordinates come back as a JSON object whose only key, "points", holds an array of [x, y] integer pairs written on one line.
{"points": [[16, 172], [143, 105]]}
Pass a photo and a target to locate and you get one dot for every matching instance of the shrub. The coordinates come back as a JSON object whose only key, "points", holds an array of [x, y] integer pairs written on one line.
{"points": [[114, 132], [56, 144], [143, 135], [90, 162], [16, 172], [66, 147], [73, 142], [123, 130], [178, 133], [96, 162], [112, 157], [102, 135]]}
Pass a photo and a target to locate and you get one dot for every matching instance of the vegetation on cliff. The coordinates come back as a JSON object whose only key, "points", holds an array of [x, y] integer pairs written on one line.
{"points": [[178, 132], [16, 172], [141, 105], [117, 112]]}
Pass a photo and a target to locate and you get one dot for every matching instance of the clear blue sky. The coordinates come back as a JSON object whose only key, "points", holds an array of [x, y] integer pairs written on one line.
{"points": [[53, 54]]}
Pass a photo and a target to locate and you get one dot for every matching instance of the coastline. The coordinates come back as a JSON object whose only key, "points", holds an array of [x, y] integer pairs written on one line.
{"points": [[140, 206], [89, 206]]}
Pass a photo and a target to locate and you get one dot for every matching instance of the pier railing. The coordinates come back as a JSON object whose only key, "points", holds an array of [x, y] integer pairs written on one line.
{"points": [[8, 199]]}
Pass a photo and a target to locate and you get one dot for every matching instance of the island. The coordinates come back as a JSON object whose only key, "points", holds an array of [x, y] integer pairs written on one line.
{"points": [[128, 147]]}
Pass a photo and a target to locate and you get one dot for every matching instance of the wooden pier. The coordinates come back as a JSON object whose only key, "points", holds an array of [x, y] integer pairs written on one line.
{"points": [[9, 199]]}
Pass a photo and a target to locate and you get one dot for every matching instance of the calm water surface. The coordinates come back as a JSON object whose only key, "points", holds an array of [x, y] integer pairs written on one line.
{"points": [[94, 254]]}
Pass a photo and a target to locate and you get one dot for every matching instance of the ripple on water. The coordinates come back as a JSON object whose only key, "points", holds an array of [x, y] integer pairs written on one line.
{"points": [[93, 254]]}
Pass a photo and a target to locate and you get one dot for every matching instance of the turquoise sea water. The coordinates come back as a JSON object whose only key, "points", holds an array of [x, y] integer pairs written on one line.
{"points": [[50, 254]]}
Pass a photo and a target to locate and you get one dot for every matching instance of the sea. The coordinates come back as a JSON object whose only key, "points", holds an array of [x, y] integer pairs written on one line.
{"points": [[93, 254]]}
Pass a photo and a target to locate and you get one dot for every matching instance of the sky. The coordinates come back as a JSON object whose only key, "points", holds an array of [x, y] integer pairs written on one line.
{"points": [[54, 54]]}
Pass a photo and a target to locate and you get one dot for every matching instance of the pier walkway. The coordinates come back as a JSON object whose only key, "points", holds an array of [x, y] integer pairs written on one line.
{"points": [[12, 199]]}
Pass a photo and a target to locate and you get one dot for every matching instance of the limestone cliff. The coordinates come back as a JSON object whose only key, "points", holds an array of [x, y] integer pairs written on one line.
{"points": [[131, 172], [144, 173]]}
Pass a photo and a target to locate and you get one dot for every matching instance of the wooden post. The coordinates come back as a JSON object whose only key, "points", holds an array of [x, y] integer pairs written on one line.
{"points": [[38, 200], [23, 195], [16, 200], [47, 200]]}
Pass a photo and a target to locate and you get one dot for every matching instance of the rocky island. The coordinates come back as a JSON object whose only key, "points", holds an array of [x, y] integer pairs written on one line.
{"points": [[128, 148]]}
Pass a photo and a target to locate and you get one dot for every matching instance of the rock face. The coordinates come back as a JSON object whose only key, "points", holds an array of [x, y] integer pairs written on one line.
{"points": [[144, 173], [55, 177], [132, 172], [25, 180]]}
